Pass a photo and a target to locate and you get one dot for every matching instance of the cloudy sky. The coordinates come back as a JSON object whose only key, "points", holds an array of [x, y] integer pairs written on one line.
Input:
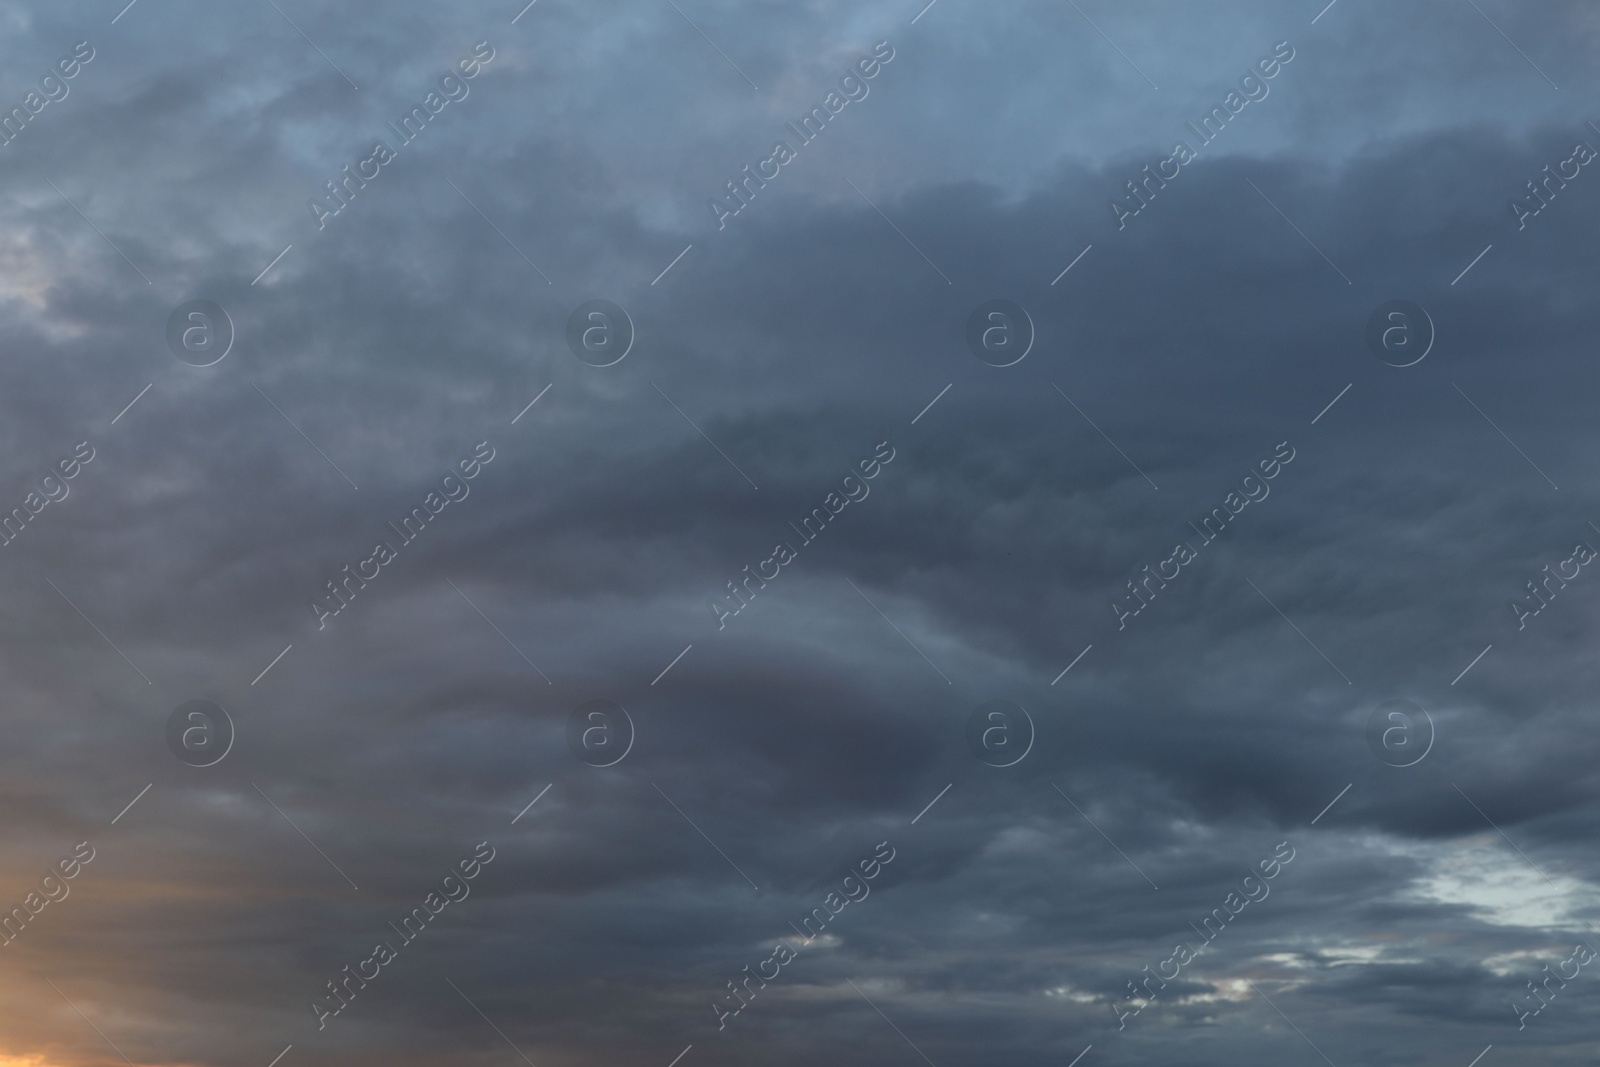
{"points": [[1339, 675]]}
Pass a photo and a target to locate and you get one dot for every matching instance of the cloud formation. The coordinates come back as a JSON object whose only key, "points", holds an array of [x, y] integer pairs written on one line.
{"points": [[770, 755]]}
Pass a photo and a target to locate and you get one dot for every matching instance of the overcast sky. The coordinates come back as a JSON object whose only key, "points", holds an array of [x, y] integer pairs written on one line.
{"points": [[172, 530]]}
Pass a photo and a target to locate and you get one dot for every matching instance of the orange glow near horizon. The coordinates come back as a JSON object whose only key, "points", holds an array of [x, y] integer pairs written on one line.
{"points": [[37, 1060], [26, 1061]]}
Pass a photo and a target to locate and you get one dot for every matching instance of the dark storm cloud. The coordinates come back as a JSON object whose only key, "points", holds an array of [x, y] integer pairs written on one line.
{"points": [[811, 727]]}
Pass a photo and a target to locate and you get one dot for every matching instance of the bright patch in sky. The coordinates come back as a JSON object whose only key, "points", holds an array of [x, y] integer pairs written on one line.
{"points": [[1488, 875]]}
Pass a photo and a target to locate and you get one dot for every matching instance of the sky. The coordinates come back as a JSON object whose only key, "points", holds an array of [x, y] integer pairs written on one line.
{"points": [[763, 677]]}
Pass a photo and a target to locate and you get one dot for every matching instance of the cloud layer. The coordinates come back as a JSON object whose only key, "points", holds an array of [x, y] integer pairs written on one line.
{"points": [[768, 754]]}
